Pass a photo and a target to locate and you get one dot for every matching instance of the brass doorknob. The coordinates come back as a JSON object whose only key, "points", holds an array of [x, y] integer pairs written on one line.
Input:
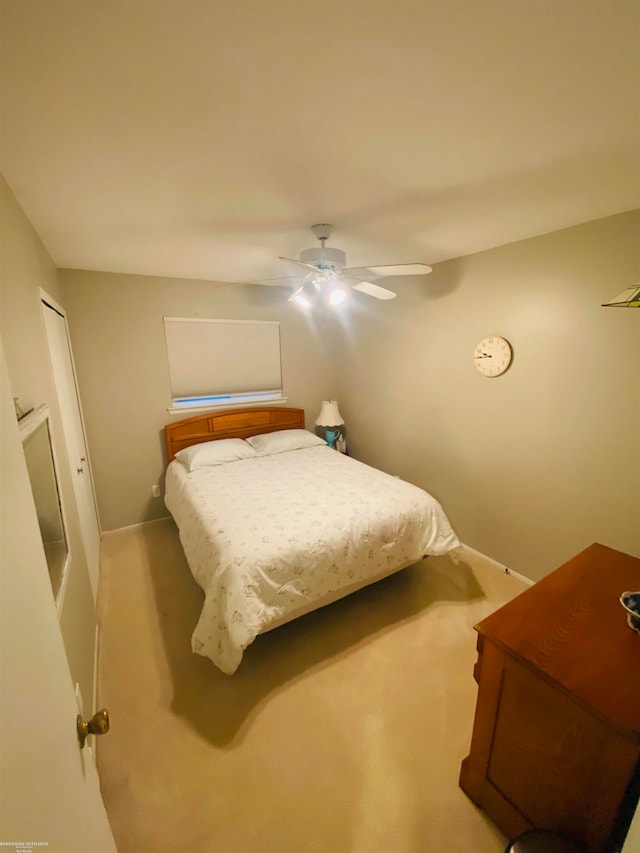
{"points": [[97, 725]]}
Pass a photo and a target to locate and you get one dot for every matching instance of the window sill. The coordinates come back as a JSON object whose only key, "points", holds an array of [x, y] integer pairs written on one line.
{"points": [[185, 410]]}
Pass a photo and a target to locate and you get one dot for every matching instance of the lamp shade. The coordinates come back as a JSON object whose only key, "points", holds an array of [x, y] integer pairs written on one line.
{"points": [[329, 414], [629, 298]]}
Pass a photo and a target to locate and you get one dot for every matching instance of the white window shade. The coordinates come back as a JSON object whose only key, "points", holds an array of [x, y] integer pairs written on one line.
{"points": [[217, 362]]}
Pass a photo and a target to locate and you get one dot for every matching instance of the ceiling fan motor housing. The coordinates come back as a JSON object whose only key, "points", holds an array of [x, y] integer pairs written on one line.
{"points": [[324, 257]]}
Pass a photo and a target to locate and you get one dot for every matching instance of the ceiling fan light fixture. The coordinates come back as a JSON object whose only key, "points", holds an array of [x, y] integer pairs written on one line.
{"points": [[300, 298], [337, 296]]}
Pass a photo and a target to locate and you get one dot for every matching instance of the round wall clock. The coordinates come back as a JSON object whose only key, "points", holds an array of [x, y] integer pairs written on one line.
{"points": [[493, 356]]}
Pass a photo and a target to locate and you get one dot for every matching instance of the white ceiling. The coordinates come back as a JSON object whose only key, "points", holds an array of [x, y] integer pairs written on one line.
{"points": [[202, 139]]}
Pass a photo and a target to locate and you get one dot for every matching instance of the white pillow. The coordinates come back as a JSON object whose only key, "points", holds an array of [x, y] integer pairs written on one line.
{"points": [[284, 440], [215, 453]]}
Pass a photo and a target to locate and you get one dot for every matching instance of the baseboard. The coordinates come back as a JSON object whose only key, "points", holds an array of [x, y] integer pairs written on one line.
{"points": [[496, 565], [134, 526], [464, 548]]}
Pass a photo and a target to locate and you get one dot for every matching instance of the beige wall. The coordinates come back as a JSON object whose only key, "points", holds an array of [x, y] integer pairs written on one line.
{"points": [[24, 267], [535, 465], [117, 330], [531, 467]]}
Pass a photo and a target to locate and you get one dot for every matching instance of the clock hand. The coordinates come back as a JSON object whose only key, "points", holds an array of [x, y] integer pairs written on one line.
{"points": [[484, 355]]}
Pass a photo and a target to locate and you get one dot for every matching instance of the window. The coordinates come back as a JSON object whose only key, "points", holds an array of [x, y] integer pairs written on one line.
{"points": [[223, 362]]}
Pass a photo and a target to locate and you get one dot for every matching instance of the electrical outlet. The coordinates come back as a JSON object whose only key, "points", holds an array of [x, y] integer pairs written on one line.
{"points": [[155, 491]]}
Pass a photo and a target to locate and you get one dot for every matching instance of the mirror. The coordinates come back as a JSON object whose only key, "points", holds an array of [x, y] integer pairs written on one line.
{"points": [[38, 452]]}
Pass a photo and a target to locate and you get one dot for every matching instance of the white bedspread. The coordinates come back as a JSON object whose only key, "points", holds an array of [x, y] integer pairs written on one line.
{"points": [[264, 537]]}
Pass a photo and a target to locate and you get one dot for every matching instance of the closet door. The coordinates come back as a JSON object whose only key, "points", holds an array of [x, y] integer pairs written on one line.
{"points": [[69, 402]]}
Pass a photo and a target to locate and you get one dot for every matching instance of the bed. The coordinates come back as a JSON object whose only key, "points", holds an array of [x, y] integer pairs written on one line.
{"points": [[284, 531]]}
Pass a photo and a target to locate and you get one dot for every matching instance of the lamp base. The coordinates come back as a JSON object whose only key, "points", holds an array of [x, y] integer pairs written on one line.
{"points": [[331, 436]]}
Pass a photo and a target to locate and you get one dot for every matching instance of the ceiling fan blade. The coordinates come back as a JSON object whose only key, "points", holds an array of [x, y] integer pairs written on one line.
{"points": [[389, 269], [374, 290], [401, 269], [299, 263], [291, 281]]}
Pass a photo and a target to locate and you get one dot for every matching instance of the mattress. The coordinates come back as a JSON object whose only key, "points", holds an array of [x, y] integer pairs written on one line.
{"points": [[268, 537]]}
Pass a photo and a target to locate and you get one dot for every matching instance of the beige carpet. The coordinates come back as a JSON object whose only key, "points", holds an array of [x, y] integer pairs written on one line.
{"points": [[342, 732]]}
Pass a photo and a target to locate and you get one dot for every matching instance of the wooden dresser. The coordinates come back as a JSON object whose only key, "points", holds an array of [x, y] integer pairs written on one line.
{"points": [[556, 737]]}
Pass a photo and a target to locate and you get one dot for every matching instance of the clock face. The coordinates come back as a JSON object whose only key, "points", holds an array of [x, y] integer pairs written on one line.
{"points": [[493, 356]]}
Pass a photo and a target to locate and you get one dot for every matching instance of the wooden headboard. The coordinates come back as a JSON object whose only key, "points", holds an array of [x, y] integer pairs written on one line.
{"points": [[230, 423]]}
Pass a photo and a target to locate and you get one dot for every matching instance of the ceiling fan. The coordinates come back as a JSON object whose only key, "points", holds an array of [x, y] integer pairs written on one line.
{"points": [[325, 276]]}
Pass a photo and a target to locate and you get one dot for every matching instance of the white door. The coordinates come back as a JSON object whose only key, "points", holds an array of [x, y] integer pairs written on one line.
{"points": [[71, 413], [49, 789]]}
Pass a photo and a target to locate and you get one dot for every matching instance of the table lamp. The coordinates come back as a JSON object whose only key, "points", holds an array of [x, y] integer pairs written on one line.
{"points": [[331, 419]]}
